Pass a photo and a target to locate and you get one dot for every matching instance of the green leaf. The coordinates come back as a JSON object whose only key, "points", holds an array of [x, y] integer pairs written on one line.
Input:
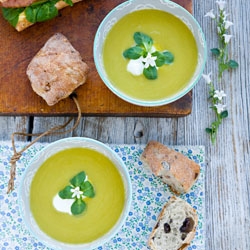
{"points": [[150, 73], [69, 2], [215, 51], [143, 40], [233, 64], [133, 52], [12, 15], [78, 179], [160, 58], [88, 189], [169, 57], [66, 193], [209, 130], [224, 114], [78, 207], [42, 12]]}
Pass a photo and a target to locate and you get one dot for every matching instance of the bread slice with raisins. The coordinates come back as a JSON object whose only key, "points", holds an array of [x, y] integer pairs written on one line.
{"points": [[176, 226], [175, 169]]}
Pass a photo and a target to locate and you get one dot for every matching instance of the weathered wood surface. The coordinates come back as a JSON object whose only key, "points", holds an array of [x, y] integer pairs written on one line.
{"points": [[94, 97], [228, 161]]}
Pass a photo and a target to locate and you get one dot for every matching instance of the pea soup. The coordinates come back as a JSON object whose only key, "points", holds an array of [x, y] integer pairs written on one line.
{"points": [[102, 211], [168, 33]]}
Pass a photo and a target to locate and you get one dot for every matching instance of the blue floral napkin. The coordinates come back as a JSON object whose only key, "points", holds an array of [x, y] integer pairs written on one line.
{"points": [[149, 196]]}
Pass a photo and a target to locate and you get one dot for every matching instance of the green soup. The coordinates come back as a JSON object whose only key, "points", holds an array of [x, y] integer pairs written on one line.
{"points": [[168, 33], [102, 211]]}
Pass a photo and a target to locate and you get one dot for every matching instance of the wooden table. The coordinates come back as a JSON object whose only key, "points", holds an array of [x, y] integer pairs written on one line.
{"points": [[228, 161]]}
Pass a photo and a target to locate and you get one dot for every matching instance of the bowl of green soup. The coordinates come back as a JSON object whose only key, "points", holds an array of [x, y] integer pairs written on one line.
{"points": [[75, 194], [149, 52]]}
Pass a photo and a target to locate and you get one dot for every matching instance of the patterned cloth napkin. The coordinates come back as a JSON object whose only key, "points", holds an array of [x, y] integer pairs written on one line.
{"points": [[149, 196]]}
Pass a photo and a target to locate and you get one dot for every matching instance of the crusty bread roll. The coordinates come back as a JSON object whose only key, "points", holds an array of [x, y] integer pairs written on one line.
{"points": [[176, 226], [175, 169], [57, 70]]}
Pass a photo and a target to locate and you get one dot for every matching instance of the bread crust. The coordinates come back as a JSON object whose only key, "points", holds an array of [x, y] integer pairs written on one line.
{"points": [[164, 216], [175, 169], [57, 70]]}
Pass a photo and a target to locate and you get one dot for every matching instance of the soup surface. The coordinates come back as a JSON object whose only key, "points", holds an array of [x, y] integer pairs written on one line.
{"points": [[168, 33], [103, 210]]}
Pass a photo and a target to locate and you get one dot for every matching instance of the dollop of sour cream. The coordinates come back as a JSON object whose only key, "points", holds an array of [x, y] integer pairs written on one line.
{"points": [[62, 205], [136, 66]]}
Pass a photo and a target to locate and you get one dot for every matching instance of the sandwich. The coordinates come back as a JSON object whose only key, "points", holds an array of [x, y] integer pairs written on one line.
{"points": [[23, 13]]}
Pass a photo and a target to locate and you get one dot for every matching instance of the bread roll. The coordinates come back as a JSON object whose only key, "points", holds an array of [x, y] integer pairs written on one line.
{"points": [[175, 169], [57, 70], [176, 226]]}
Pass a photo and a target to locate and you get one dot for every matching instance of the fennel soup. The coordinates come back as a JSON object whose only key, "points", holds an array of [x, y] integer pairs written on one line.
{"points": [[163, 45], [77, 195]]}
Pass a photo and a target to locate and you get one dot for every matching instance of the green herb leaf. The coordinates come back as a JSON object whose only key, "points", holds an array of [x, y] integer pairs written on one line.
{"points": [[42, 12], [233, 64], [66, 193], [169, 57], [69, 2], [12, 15], [133, 52], [150, 73], [215, 51], [78, 207], [78, 179], [88, 189], [209, 130], [160, 58], [224, 114], [143, 40]]}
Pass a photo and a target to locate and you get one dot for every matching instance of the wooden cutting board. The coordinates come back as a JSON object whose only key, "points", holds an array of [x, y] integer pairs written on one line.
{"points": [[79, 24]]}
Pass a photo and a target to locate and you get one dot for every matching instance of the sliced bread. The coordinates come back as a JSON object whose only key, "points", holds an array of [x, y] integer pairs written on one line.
{"points": [[175, 169], [176, 226]]}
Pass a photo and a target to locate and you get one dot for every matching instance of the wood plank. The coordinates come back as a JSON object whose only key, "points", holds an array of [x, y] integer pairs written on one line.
{"points": [[79, 24]]}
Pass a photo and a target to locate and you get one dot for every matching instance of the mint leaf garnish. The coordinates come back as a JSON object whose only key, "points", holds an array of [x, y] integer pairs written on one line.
{"points": [[88, 189], [78, 179], [78, 207], [66, 193], [78, 189], [147, 56], [150, 72]]}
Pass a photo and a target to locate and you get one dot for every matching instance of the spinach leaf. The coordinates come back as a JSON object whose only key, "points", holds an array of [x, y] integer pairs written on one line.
{"points": [[66, 193], [133, 52], [12, 15], [41, 13], [143, 40], [78, 207], [150, 73], [78, 179]]}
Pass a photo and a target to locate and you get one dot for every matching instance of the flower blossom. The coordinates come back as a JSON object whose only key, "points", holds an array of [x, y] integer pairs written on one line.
{"points": [[221, 4], [149, 60], [220, 107], [207, 77], [210, 14], [227, 38], [219, 94], [227, 24], [76, 192]]}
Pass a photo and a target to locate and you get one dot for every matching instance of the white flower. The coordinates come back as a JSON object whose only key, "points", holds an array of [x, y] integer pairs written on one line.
{"points": [[220, 107], [149, 60], [76, 192], [210, 14], [207, 77], [221, 4], [219, 94], [227, 38], [227, 24]]}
